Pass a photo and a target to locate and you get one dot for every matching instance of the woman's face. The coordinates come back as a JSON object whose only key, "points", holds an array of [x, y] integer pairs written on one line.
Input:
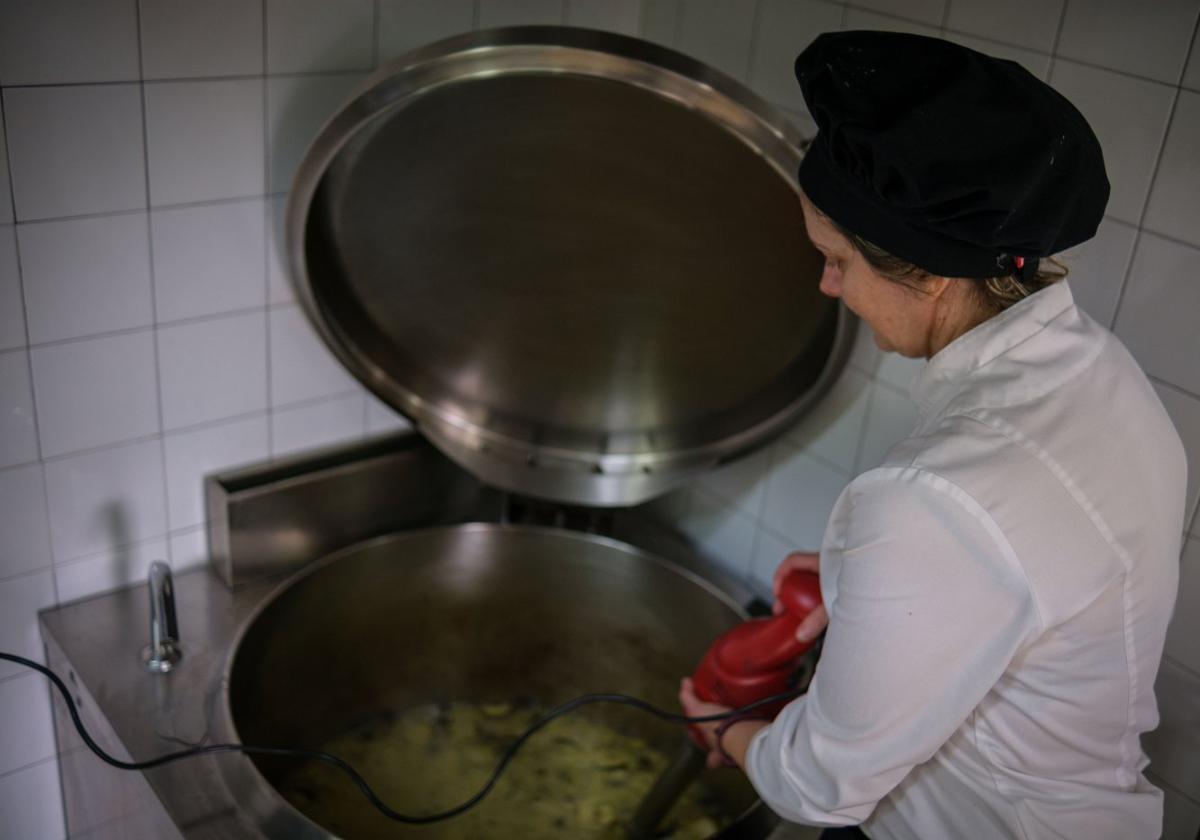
{"points": [[901, 318]]}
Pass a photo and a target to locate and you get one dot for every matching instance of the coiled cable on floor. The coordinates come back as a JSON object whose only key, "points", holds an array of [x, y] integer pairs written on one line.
{"points": [[355, 776]]}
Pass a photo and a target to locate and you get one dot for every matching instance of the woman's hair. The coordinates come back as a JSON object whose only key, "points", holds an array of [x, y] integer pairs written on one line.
{"points": [[994, 294]]}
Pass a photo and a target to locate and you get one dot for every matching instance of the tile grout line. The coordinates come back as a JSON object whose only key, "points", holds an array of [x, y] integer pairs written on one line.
{"points": [[28, 350], [268, 228], [29, 573], [30, 766], [862, 432], [174, 80], [158, 372], [204, 425], [192, 320], [150, 208], [375, 17], [1137, 242], [756, 20]]}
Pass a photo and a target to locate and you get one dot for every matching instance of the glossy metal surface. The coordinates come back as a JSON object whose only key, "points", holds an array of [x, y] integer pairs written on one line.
{"points": [[475, 613], [163, 652], [271, 519], [576, 260]]}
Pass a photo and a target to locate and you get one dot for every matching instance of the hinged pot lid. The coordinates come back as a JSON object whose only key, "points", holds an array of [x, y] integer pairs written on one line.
{"points": [[575, 260]]}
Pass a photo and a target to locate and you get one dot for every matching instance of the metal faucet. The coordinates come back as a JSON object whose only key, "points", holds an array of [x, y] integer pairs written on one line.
{"points": [[163, 652]]}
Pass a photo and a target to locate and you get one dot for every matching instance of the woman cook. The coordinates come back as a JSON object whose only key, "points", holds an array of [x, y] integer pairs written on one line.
{"points": [[998, 590]]}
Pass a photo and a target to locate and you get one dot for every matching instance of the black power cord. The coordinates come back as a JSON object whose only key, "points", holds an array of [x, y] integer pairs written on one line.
{"points": [[359, 781]]}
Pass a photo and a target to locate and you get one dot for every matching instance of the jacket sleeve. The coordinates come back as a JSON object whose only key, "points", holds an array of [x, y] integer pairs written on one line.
{"points": [[928, 606]]}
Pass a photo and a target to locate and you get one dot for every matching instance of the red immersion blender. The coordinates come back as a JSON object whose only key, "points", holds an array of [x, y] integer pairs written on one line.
{"points": [[754, 660]]}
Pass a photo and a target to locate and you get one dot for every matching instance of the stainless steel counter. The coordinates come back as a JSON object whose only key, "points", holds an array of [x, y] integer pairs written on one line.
{"points": [[95, 646]]}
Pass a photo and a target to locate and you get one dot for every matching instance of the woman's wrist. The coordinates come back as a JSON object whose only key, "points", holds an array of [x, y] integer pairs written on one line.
{"points": [[734, 740]]}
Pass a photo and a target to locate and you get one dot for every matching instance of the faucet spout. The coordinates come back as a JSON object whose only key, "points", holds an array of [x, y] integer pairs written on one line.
{"points": [[163, 652]]}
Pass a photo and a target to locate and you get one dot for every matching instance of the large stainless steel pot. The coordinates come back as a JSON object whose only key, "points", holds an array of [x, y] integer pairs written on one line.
{"points": [[475, 612]]}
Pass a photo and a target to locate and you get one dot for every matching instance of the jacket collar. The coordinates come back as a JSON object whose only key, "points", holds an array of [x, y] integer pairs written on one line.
{"points": [[943, 377]]}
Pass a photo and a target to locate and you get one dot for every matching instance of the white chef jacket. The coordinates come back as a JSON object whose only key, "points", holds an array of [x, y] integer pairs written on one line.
{"points": [[998, 591]]}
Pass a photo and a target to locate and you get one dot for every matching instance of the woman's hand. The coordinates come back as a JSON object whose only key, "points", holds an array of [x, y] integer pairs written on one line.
{"points": [[693, 706], [807, 561], [736, 740]]}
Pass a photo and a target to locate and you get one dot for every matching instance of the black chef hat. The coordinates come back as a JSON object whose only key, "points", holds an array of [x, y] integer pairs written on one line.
{"points": [[962, 164]]}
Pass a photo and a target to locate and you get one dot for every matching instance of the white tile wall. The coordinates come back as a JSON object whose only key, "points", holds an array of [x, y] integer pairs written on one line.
{"points": [[208, 259], [103, 500], [95, 392], [1181, 816], [26, 728], [1174, 747], [18, 433], [727, 533], [75, 150], [1147, 39], [279, 287], [56, 41], [718, 33], [24, 531], [302, 367], [1191, 77], [1157, 318], [1032, 23], [6, 212], [182, 39], [891, 416], [660, 21], [108, 570], [1184, 410], [800, 494], [193, 454], [519, 12], [213, 369], [307, 36], [204, 140], [225, 133], [857, 18], [1097, 269], [782, 25], [1129, 115], [1185, 623], [30, 807], [769, 551], [1174, 207], [742, 483], [12, 310], [925, 11], [22, 597], [1037, 63], [189, 548], [831, 431], [85, 276], [407, 24], [382, 419], [622, 16], [297, 107], [317, 424]]}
